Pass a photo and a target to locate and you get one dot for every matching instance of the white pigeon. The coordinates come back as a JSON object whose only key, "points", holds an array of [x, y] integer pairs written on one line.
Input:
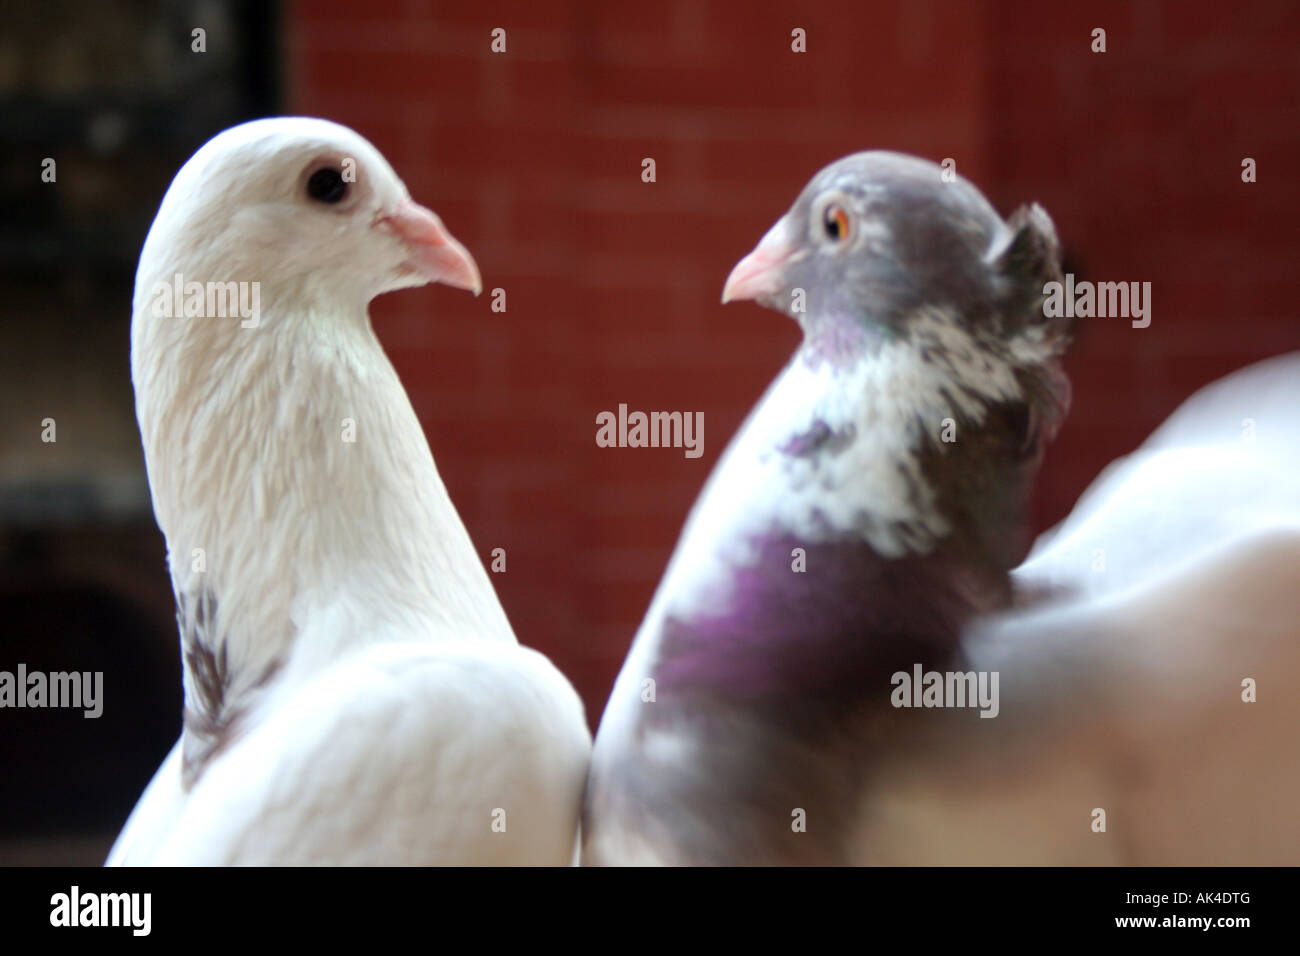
{"points": [[353, 691]]}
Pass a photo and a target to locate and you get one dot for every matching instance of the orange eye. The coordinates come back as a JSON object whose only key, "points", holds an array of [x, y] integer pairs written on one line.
{"points": [[837, 223]]}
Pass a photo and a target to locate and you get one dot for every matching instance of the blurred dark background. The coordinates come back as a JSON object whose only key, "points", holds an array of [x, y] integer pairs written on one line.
{"points": [[533, 158]]}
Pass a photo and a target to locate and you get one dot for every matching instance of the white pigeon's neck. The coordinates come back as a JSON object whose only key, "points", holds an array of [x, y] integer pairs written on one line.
{"points": [[298, 494]]}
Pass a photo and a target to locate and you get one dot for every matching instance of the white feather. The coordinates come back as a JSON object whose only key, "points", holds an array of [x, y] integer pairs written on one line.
{"points": [[397, 755], [400, 704], [1226, 464], [1130, 703], [1178, 571]]}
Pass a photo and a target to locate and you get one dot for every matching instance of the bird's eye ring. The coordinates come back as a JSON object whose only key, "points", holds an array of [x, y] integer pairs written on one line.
{"points": [[327, 185], [837, 224]]}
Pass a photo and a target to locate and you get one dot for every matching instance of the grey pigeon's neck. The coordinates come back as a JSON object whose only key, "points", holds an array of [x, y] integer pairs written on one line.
{"points": [[842, 539]]}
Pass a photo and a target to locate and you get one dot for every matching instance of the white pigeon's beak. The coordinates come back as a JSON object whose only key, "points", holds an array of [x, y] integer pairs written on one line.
{"points": [[759, 275], [434, 252]]}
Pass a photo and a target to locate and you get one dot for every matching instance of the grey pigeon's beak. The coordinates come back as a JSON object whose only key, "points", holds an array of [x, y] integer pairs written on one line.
{"points": [[434, 252], [759, 274]]}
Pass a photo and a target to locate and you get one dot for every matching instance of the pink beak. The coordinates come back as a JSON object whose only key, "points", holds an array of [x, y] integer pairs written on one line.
{"points": [[434, 252], [758, 275]]}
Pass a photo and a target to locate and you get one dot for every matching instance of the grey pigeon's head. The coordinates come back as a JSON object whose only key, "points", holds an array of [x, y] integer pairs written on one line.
{"points": [[878, 238], [923, 310]]}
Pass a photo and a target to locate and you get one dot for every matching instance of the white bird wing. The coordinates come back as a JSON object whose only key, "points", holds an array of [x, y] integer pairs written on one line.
{"points": [[1131, 703], [1225, 464], [1259, 399], [1176, 578], [397, 754]]}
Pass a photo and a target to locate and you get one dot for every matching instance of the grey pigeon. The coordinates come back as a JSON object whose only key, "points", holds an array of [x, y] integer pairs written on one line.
{"points": [[864, 527]]}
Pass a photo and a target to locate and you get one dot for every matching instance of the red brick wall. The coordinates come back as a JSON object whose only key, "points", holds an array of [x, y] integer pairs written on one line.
{"points": [[533, 158]]}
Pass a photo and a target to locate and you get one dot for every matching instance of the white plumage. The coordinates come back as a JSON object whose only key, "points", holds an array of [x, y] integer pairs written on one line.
{"points": [[1225, 465], [1174, 581], [354, 692]]}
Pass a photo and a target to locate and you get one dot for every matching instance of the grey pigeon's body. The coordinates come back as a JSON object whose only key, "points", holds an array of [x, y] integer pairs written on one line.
{"points": [[865, 521]]}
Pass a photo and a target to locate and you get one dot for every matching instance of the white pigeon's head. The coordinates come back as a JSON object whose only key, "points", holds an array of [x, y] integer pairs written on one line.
{"points": [[255, 367], [304, 207]]}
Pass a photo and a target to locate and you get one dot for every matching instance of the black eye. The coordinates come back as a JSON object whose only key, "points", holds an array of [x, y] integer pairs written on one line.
{"points": [[327, 185], [836, 221]]}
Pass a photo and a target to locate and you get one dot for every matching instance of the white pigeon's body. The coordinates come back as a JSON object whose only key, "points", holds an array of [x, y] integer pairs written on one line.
{"points": [[354, 692], [397, 754]]}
